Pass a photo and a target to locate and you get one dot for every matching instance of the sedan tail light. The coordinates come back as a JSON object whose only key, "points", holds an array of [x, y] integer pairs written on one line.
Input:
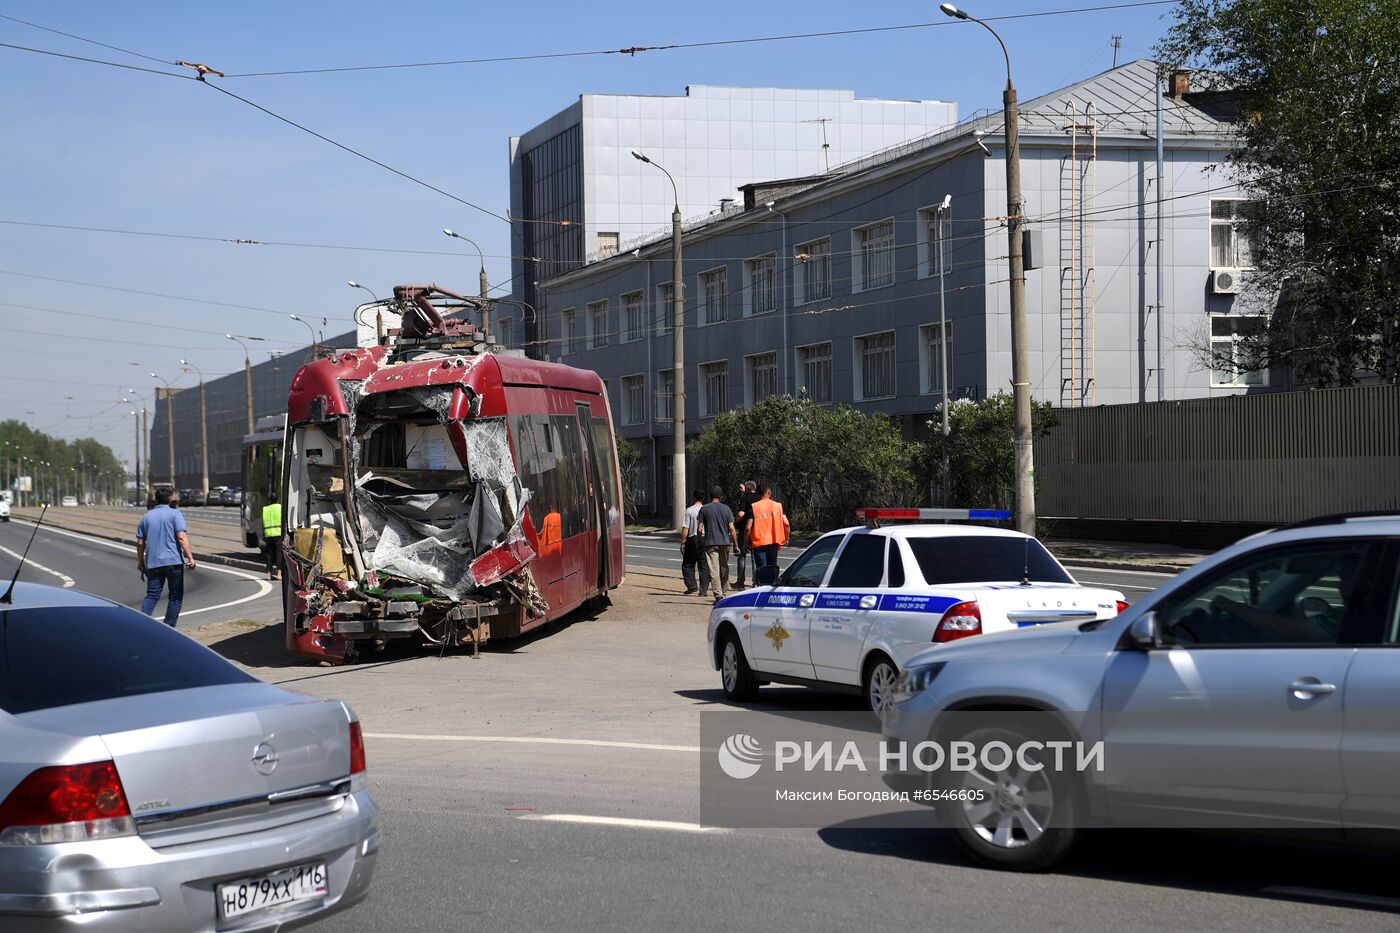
{"points": [[66, 803], [1122, 607], [960, 621], [357, 748]]}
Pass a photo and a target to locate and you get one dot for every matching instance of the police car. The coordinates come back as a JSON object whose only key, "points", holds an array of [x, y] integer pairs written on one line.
{"points": [[858, 603]]}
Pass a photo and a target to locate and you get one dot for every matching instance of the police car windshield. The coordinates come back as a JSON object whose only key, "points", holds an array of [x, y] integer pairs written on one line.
{"points": [[984, 559]]}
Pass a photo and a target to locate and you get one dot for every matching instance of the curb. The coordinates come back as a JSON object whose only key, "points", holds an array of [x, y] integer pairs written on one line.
{"points": [[1099, 564]]}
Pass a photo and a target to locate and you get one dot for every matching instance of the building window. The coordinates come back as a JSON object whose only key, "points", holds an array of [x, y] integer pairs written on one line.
{"points": [[1233, 353], [634, 399], [634, 311], [762, 376], [875, 366], [760, 284], [665, 394], [598, 324], [932, 242], [1229, 238], [607, 244], [665, 313], [813, 280], [935, 348], [714, 385], [570, 319], [714, 288], [814, 366], [873, 250]]}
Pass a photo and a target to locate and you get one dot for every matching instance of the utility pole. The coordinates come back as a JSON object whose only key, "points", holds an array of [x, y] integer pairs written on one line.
{"points": [[481, 282], [247, 377], [1117, 41], [169, 423], [678, 496], [203, 430], [1020, 346], [1161, 246], [943, 335]]}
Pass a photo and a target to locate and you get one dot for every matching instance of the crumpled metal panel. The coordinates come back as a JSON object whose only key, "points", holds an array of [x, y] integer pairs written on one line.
{"points": [[436, 557], [488, 451]]}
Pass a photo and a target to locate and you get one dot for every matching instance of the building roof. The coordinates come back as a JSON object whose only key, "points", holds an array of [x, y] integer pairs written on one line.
{"points": [[1120, 102]]}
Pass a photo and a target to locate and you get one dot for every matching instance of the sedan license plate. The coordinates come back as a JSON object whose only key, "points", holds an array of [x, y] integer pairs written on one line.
{"points": [[303, 883]]}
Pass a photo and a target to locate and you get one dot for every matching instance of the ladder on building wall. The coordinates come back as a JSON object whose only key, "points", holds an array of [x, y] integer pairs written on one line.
{"points": [[1078, 299]]}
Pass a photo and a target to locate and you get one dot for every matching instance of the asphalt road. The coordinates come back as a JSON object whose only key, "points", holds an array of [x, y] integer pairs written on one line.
{"points": [[105, 568], [552, 784]]}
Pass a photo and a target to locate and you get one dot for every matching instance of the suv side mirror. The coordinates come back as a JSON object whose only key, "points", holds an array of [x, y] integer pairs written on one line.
{"points": [[766, 576], [1143, 632]]}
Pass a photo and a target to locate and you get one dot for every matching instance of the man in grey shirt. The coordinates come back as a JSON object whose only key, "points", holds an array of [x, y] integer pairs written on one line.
{"points": [[717, 531]]}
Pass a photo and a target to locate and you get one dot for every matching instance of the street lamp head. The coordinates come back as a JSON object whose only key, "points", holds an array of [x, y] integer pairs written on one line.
{"points": [[770, 204], [353, 284], [184, 362], [294, 317], [950, 10], [448, 231], [947, 202], [639, 156]]}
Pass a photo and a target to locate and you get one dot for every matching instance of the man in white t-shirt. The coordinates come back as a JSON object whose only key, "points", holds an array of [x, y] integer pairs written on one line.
{"points": [[693, 548]]}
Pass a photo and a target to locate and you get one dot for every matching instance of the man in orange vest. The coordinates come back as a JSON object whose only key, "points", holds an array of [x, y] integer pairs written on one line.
{"points": [[768, 530]]}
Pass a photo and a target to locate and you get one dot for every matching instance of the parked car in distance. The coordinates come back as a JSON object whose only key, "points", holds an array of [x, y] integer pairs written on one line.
{"points": [[1255, 690], [157, 787], [4, 510], [69, 502], [231, 496], [191, 497]]}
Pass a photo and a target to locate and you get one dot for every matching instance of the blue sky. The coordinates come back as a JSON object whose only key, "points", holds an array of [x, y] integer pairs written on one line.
{"points": [[89, 145]]}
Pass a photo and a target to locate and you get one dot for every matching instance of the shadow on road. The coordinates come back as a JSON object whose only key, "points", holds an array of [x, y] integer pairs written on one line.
{"points": [[1250, 866]]}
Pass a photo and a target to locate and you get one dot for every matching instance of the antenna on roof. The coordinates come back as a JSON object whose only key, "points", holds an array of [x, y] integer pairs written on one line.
{"points": [[6, 599], [1117, 41], [826, 146]]}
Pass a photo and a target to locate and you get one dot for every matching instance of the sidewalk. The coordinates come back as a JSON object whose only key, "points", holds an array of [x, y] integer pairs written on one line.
{"points": [[1103, 555], [212, 542]]}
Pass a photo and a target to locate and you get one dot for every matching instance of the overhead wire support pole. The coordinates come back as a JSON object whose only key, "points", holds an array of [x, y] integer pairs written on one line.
{"points": [[1160, 244]]}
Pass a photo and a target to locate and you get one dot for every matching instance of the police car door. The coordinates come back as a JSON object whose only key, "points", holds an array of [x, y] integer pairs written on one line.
{"points": [[846, 607], [777, 633]]}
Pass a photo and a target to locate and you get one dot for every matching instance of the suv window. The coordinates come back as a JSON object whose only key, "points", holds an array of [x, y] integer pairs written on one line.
{"points": [[810, 567], [985, 559], [862, 563], [1309, 594], [77, 654]]}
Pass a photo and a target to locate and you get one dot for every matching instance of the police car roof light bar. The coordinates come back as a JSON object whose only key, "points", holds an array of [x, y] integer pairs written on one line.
{"points": [[873, 517]]}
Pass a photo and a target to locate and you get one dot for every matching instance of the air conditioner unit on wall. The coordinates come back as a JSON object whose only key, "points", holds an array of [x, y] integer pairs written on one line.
{"points": [[1225, 281]]}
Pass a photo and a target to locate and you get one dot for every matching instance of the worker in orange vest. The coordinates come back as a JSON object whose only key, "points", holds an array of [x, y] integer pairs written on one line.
{"points": [[551, 534], [768, 531]]}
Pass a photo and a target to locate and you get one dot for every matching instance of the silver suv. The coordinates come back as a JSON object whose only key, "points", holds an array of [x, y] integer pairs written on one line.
{"points": [[1259, 689]]}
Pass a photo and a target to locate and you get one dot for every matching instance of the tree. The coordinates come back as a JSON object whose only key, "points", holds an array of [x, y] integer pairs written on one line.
{"points": [[629, 464], [824, 462], [981, 450], [80, 468], [1317, 86]]}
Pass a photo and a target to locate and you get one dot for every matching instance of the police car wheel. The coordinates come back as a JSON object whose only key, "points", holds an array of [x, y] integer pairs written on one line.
{"points": [[735, 676], [1017, 819], [880, 676]]}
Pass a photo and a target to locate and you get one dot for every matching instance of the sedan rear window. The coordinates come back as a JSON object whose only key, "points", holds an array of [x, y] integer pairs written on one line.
{"points": [[59, 656], [985, 559]]}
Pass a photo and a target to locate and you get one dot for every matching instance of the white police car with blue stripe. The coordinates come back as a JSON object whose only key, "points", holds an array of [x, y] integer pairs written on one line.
{"points": [[858, 603]]}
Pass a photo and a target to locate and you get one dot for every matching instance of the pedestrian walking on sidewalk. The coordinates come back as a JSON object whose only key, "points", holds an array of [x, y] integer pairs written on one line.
{"points": [[163, 554], [768, 530], [272, 537], [692, 550], [743, 515], [717, 530]]}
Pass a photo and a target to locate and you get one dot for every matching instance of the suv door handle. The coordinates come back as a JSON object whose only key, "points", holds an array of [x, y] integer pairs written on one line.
{"points": [[1303, 688]]}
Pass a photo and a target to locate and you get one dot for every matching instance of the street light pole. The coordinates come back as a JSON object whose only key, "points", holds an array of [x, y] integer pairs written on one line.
{"points": [[203, 430], [678, 496], [943, 334], [169, 424], [1020, 345], [481, 281], [247, 376], [315, 346]]}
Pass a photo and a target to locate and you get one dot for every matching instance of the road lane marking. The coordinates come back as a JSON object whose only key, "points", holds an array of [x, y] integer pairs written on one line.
{"points": [[625, 821], [30, 562], [1135, 573], [1118, 586], [264, 586], [1341, 897], [533, 740]]}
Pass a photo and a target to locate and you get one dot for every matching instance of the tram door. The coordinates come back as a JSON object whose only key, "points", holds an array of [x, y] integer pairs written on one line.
{"points": [[597, 506]]}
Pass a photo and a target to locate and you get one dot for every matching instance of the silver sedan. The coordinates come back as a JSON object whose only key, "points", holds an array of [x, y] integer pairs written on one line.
{"points": [[147, 784]]}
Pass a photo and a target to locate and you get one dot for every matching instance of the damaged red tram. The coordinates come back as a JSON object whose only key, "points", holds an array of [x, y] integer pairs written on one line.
{"points": [[438, 489]]}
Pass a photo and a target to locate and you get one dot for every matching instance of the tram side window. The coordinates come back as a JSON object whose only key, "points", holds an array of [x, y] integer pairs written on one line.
{"points": [[570, 481], [603, 443], [551, 467]]}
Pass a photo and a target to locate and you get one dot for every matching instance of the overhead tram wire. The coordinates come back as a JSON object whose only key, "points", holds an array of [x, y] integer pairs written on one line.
{"points": [[59, 32], [632, 51]]}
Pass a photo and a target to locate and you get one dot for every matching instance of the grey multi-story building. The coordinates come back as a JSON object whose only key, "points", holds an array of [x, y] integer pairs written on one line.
{"points": [[831, 286], [576, 192]]}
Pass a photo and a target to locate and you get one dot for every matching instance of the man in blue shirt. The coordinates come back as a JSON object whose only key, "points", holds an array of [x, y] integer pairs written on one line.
{"points": [[162, 554]]}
